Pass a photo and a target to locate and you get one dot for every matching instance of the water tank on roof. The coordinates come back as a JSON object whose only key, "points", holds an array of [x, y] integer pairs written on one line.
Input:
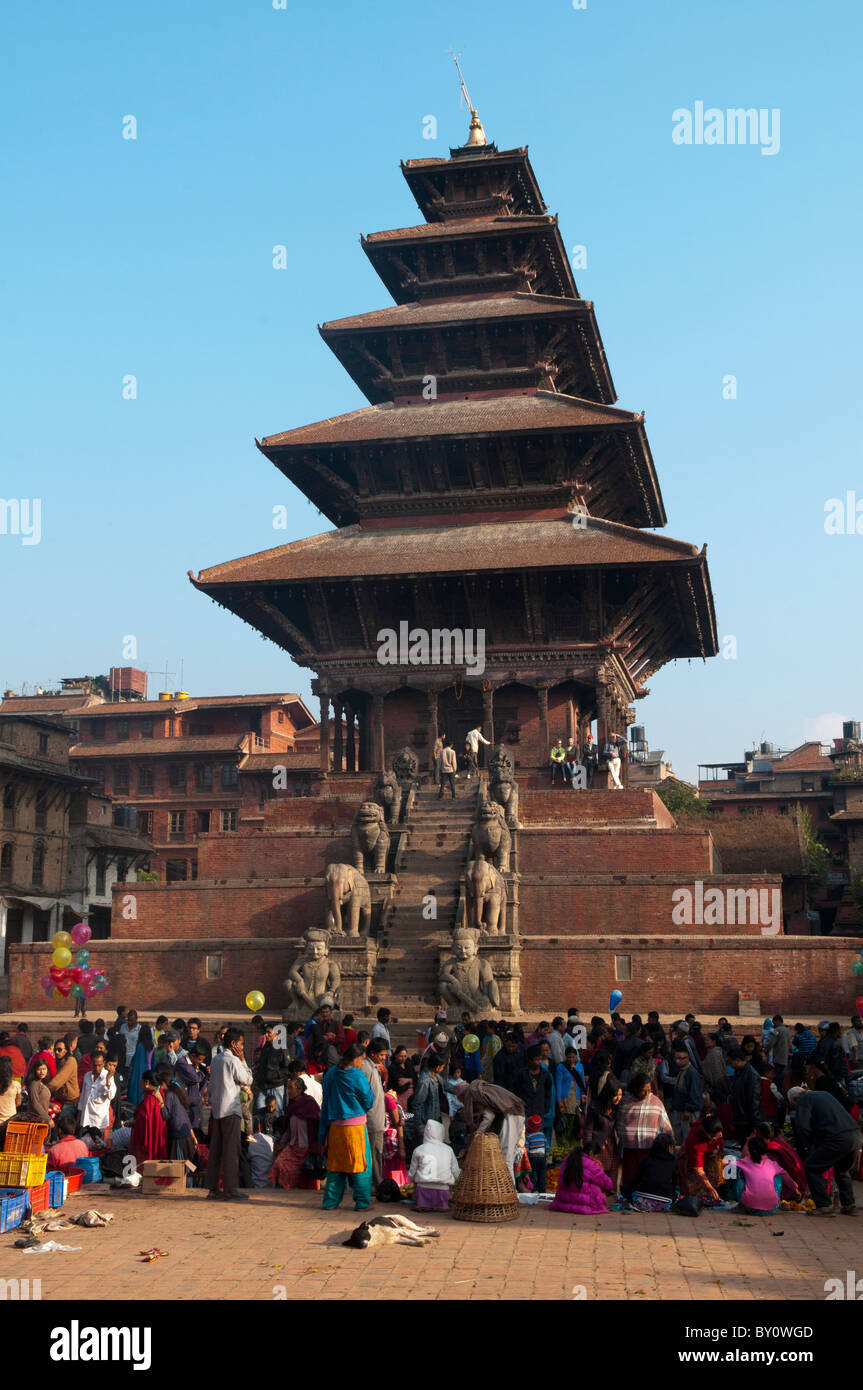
{"points": [[166, 695], [851, 728], [181, 694], [767, 749], [636, 733]]}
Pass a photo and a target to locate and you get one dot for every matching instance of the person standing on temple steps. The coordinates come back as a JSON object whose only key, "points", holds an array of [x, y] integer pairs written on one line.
{"points": [[448, 766], [436, 756], [472, 743]]}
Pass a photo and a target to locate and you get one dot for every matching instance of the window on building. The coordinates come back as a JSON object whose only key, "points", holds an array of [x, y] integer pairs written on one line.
{"points": [[178, 824], [230, 776], [7, 856], [41, 809], [281, 717], [623, 967], [145, 780], [147, 727], [203, 822], [122, 870], [43, 743], [177, 776], [122, 727], [38, 874], [97, 730], [808, 784], [176, 871], [8, 806], [95, 770], [121, 777], [214, 967], [100, 875], [827, 782], [145, 822], [41, 925], [229, 820], [204, 777]]}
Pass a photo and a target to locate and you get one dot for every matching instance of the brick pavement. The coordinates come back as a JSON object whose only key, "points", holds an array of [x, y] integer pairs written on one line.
{"points": [[283, 1244]]}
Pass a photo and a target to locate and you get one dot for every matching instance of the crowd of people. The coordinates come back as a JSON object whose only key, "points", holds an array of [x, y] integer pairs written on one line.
{"points": [[632, 1113]]}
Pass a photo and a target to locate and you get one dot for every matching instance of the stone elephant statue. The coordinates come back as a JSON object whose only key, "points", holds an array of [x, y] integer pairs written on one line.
{"points": [[346, 887], [485, 897], [370, 839], [490, 837]]}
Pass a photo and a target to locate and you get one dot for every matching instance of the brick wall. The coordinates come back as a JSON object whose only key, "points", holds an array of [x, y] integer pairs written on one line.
{"points": [[545, 805], [625, 902], [586, 851], [789, 975]]}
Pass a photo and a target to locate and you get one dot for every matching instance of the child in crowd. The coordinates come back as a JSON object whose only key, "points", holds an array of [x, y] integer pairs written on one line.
{"points": [[764, 1180], [433, 1169], [583, 1184], [536, 1148]]}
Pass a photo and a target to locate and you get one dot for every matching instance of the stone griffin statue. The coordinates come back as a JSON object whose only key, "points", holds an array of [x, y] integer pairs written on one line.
{"points": [[345, 886], [387, 795], [313, 979], [466, 980], [485, 897], [370, 839], [502, 787], [490, 838]]}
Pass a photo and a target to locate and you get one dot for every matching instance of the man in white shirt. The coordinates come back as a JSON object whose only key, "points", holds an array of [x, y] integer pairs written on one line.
{"points": [[228, 1073], [311, 1083], [98, 1089], [381, 1028], [473, 741]]}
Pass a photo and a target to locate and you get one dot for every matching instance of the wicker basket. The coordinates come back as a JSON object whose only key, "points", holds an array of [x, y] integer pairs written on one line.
{"points": [[485, 1190]]}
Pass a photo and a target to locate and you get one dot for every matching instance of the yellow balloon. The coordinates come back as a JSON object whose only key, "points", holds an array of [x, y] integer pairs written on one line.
{"points": [[55, 994], [61, 940], [255, 1001], [61, 958]]}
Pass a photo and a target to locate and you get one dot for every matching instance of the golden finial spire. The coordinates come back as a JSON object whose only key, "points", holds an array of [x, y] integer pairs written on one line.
{"points": [[476, 135]]}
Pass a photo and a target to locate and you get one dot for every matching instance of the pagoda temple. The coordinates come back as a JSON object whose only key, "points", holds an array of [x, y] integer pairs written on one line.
{"points": [[491, 486]]}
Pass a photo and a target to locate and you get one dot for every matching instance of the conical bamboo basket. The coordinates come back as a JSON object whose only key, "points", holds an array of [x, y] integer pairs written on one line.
{"points": [[485, 1190]]}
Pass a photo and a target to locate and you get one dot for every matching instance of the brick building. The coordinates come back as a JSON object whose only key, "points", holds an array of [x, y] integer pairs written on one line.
{"points": [[60, 851]]}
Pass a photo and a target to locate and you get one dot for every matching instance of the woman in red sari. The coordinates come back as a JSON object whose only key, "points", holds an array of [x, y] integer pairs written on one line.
{"points": [[149, 1132], [300, 1140]]}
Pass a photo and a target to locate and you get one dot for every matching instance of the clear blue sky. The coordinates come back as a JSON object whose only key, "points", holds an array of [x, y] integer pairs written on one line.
{"points": [[259, 127]]}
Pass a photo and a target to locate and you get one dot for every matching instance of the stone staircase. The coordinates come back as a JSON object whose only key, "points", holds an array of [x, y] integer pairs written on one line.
{"points": [[431, 860]]}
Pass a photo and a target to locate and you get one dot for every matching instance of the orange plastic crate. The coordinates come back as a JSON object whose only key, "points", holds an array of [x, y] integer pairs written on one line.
{"points": [[22, 1170], [24, 1138], [74, 1178], [40, 1197]]}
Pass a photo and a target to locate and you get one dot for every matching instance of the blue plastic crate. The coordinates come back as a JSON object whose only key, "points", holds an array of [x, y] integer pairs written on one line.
{"points": [[13, 1207], [55, 1189]]}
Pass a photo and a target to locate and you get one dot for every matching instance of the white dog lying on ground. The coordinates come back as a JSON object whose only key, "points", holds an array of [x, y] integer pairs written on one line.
{"points": [[389, 1230]]}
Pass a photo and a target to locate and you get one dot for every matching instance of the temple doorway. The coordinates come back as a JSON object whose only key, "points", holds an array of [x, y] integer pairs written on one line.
{"points": [[457, 715]]}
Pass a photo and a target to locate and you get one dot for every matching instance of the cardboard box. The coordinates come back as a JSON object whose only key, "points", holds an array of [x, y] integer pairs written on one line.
{"points": [[163, 1177]]}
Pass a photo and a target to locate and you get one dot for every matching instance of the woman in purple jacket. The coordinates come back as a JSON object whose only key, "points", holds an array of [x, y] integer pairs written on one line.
{"points": [[583, 1184]]}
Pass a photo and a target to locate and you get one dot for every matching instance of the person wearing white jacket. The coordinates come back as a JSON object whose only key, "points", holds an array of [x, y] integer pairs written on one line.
{"points": [[433, 1169]]}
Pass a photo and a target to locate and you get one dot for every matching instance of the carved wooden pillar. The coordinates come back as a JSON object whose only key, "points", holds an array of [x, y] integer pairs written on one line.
{"points": [[362, 750], [432, 722], [378, 734], [488, 715], [574, 721], [325, 731], [350, 741], [542, 699], [604, 716], [338, 750]]}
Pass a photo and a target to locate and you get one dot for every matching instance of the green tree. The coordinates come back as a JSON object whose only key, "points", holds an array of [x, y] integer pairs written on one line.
{"points": [[818, 855], [681, 799]]}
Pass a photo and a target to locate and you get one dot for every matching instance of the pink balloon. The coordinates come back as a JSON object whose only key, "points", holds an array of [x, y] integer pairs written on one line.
{"points": [[46, 982], [80, 933]]}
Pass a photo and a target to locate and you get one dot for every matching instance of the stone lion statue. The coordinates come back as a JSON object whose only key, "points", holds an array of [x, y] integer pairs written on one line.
{"points": [[370, 839], [490, 837], [502, 787], [387, 795]]}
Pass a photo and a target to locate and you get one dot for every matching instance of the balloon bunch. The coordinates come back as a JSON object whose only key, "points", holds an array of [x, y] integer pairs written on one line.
{"points": [[80, 980]]}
